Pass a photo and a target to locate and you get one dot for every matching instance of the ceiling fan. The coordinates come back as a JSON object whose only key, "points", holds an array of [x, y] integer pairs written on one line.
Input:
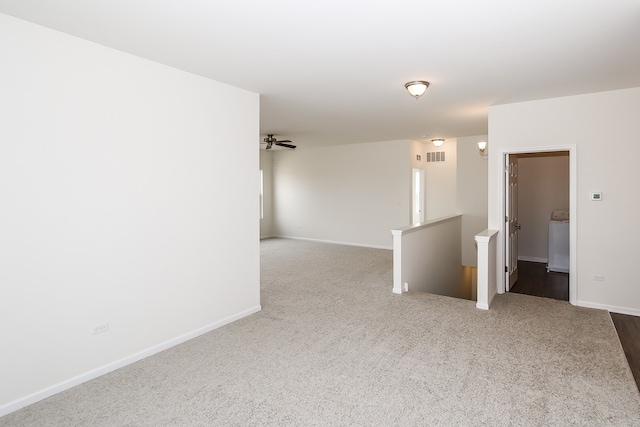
{"points": [[271, 141]]}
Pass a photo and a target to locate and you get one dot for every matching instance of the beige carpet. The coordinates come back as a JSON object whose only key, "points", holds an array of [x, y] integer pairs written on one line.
{"points": [[333, 346]]}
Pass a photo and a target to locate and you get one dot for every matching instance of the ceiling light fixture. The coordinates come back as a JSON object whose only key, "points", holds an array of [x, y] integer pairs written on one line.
{"points": [[437, 142], [417, 88]]}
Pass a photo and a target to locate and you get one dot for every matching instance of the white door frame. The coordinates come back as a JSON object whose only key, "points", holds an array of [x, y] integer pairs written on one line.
{"points": [[573, 213]]}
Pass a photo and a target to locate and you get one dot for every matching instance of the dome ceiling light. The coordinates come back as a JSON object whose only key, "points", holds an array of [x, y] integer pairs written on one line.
{"points": [[417, 88]]}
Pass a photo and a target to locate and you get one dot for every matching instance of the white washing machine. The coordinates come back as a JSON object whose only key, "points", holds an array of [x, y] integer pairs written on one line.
{"points": [[559, 241]]}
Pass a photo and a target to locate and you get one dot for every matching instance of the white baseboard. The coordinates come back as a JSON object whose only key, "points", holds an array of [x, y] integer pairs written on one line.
{"points": [[487, 305], [362, 245], [532, 259], [611, 308], [95, 373], [482, 306]]}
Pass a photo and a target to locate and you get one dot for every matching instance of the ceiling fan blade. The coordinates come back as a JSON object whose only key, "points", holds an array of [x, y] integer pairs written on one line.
{"points": [[285, 145], [281, 140]]}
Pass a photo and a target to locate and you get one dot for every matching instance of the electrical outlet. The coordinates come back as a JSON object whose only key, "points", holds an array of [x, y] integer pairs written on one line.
{"points": [[598, 278], [100, 328]]}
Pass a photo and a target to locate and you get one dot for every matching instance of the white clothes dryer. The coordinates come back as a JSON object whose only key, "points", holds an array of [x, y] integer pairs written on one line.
{"points": [[559, 241]]}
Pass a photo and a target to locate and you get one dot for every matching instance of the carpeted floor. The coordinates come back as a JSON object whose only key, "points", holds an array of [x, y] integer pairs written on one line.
{"points": [[333, 346]]}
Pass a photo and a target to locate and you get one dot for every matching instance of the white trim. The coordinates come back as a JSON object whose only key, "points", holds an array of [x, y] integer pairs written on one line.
{"points": [[97, 372], [419, 226], [334, 242], [610, 308], [573, 213], [533, 259]]}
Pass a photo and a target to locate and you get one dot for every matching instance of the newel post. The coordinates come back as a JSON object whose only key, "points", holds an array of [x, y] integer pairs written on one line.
{"points": [[486, 242]]}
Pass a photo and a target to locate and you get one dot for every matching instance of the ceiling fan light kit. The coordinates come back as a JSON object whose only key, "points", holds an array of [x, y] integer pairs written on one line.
{"points": [[417, 88]]}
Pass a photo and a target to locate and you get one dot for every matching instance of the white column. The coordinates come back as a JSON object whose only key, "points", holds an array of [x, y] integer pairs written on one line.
{"points": [[486, 241], [398, 288]]}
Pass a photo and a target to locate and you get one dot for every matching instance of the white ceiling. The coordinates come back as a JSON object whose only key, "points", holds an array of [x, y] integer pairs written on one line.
{"points": [[333, 71]]}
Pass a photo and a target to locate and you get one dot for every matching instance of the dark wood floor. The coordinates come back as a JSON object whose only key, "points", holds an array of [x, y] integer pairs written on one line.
{"points": [[533, 279], [628, 328]]}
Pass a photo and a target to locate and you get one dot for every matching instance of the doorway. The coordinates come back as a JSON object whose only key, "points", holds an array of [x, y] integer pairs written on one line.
{"points": [[536, 183], [535, 280]]}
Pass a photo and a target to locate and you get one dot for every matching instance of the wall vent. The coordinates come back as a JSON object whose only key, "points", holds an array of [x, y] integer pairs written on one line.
{"points": [[435, 156]]}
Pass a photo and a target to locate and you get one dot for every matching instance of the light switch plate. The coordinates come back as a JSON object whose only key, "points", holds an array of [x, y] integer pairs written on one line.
{"points": [[596, 196]]}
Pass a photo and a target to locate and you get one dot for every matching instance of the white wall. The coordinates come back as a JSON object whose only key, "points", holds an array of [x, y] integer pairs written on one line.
{"points": [[118, 205], [417, 154], [422, 266], [418, 161], [543, 180], [441, 182], [471, 194], [266, 165], [352, 194], [604, 129]]}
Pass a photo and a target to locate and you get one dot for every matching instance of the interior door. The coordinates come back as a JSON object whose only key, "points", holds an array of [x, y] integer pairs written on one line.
{"points": [[511, 220]]}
